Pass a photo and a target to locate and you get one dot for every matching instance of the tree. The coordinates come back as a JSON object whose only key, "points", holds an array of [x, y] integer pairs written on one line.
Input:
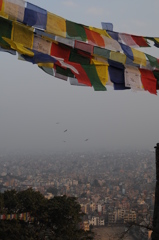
{"points": [[57, 218], [10, 201]]}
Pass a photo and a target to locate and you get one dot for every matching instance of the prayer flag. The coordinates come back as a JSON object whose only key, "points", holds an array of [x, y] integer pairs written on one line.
{"points": [[148, 80], [153, 61], [101, 52], [56, 25], [116, 73], [35, 16], [47, 70], [76, 31], [78, 58], [66, 41], [47, 36], [64, 71], [120, 86], [23, 35], [127, 39], [139, 57], [66, 49], [60, 51], [5, 31], [41, 45], [102, 71], [114, 35], [3, 217], [156, 75], [60, 76], [128, 51], [1, 2], [14, 9], [80, 74], [133, 78], [39, 58], [19, 47], [111, 44], [84, 46], [99, 31], [107, 26], [93, 76], [94, 38], [156, 42], [74, 81], [118, 57], [140, 41]]}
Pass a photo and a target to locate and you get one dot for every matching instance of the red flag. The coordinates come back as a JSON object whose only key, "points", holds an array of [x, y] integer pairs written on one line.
{"points": [[1, 2], [60, 51], [84, 54], [140, 41], [84, 46], [81, 75], [148, 80], [3, 216], [94, 37]]}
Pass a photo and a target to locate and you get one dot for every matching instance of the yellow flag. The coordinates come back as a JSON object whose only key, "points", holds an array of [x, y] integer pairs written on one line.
{"points": [[19, 47], [139, 57], [48, 65], [2, 13], [157, 39], [102, 70], [100, 31], [118, 57], [56, 25], [23, 35]]}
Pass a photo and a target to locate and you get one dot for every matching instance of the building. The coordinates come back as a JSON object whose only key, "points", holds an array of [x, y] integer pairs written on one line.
{"points": [[94, 221], [86, 225], [121, 213], [130, 217], [112, 218], [97, 221]]}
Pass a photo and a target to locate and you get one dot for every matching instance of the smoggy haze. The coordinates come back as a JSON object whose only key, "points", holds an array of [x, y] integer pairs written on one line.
{"points": [[36, 109]]}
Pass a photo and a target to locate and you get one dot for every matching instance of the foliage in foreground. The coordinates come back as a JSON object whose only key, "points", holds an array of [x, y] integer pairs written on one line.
{"points": [[57, 218]]}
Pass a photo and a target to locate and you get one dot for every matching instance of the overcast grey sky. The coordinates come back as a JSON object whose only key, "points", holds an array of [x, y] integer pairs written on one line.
{"points": [[32, 102]]}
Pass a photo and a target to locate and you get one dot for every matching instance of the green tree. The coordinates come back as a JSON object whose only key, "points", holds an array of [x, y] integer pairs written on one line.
{"points": [[1, 202], [58, 218], [10, 201]]}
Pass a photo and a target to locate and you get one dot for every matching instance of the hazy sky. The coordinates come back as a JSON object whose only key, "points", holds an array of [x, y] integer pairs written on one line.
{"points": [[32, 102]]}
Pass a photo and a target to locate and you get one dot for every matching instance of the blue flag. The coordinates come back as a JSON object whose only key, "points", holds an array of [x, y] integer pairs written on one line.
{"points": [[35, 16]]}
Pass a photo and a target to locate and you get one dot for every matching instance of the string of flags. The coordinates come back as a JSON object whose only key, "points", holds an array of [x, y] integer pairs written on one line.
{"points": [[22, 217], [80, 54]]}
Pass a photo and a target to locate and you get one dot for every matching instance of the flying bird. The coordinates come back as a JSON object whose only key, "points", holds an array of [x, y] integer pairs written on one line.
{"points": [[65, 130], [86, 140]]}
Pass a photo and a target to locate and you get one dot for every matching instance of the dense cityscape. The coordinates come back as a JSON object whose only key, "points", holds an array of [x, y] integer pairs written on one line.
{"points": [[113, 188]]}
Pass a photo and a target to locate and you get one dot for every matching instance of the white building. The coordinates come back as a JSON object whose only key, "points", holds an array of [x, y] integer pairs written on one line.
{"points": [[97, 221], [94, 221]]}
